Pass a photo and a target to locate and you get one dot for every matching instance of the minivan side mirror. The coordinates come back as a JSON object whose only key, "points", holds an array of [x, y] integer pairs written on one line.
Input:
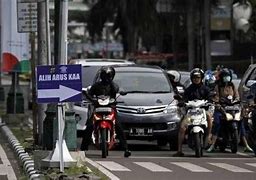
{"points": [[122, 93]]}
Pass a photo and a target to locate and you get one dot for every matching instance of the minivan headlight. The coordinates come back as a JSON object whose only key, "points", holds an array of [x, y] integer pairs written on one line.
{"points": [[171, 109], [172, 125]]}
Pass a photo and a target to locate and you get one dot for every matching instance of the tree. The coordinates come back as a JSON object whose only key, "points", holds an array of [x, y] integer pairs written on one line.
{"points": [[131, 17]]}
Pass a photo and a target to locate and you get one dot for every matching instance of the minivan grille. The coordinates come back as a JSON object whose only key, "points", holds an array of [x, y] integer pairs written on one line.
{"points": [[141, 109]]}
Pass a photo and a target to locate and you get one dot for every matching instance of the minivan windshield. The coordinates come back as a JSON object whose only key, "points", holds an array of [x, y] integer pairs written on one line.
{"points": [[144, 82], [88, 73]]}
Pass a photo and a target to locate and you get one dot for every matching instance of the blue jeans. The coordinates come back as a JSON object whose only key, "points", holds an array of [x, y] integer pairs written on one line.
{"points": [[217, 123]]}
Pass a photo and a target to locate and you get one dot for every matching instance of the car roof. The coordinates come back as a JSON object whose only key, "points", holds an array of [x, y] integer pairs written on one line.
{"points": [[139, 68], [99, 62]]}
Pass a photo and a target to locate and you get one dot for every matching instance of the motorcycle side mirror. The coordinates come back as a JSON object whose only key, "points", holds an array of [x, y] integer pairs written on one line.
{"points": [[177, 97], [85, 90], [180, 89], [212, 94]]}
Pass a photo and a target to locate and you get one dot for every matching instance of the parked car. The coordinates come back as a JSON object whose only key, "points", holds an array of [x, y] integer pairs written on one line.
{"points": [[247, 80], [148, 111], [89, 70]]}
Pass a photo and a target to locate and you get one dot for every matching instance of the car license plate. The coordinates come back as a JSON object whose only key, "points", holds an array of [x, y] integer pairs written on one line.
{"points": [[141, 132]]}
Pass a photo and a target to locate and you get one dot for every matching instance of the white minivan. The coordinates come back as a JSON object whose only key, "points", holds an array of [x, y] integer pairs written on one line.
{"points": [[89, 70]]}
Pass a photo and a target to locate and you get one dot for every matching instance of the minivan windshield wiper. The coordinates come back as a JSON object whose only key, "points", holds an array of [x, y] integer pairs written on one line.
{"points": [[161, 92], [138, 92]]}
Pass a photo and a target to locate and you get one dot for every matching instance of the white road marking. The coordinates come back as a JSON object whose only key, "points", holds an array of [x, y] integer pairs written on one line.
{"points": [[239, 153], [251, 164], [113, 166], [191, 167], [102, 169], [230, 167], [153, 167], [6, 168]]}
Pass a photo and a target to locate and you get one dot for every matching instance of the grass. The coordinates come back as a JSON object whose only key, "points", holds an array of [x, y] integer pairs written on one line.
{"points": [[22, 135]]}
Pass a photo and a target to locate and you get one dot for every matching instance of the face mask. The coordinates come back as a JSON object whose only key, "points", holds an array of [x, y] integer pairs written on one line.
{"points": [[226, 79]]}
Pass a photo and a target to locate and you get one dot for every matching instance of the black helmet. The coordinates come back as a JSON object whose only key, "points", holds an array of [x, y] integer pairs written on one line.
{"points": [[197, 72], [107, 74], [225, 75]]}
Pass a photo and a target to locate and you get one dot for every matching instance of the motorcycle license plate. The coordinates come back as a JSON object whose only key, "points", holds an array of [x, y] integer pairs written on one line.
{"points": [[141, 132]]}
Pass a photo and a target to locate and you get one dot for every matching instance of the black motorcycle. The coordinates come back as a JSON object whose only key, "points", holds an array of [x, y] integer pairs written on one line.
{"points": [[230, 122]]}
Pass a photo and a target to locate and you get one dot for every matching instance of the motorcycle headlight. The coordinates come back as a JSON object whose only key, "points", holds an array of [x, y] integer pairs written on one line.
{"points": [[173, 109]]}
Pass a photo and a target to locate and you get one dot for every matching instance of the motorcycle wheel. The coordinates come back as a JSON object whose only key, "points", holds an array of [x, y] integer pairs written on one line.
{"points": [[222, 146], [234, 142], [104, 147], [198, 144]]}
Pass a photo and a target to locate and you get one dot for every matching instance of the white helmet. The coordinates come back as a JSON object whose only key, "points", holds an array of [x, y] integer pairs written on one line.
{"points": [[175, 75]]}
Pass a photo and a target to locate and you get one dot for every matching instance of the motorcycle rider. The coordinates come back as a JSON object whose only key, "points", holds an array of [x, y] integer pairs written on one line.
{"points": [[197, 90], [252, 101], [224, 88], [104, 87], [174, 77], [210, 80]]}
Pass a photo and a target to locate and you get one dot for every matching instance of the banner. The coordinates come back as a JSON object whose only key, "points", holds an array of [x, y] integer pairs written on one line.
{"points": [[15, 47]]}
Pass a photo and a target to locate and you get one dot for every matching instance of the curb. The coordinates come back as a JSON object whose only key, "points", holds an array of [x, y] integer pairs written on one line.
{"points": [[27, 161]]}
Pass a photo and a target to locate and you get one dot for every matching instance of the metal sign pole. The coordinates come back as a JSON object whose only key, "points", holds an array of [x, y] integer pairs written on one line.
{"points": [[60, 130], [14, 91]]}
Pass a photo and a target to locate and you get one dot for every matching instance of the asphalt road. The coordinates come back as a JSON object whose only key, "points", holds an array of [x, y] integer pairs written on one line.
{"points": [[150, 163]]}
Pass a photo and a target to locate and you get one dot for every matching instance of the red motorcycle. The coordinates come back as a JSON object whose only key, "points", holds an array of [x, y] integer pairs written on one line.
{"points": [[104, 116]]}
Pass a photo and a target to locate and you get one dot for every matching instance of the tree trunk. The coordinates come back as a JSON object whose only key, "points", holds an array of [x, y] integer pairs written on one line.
{"points": [[207, 34], [131, 31]]}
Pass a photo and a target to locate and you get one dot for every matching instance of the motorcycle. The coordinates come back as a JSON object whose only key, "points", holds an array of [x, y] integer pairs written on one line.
{"points": [[249, 118], [229, 134], [104, 117], [196, 120]]}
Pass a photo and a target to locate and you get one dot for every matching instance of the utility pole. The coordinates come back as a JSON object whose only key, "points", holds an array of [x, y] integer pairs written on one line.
{"points": [[33, 81], [62, 35], [207, 11], [42, 60], [48, 33], [56, 31]]}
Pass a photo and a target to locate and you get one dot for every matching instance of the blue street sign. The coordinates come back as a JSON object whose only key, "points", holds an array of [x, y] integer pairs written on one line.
{"points": [[59, 83]]}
